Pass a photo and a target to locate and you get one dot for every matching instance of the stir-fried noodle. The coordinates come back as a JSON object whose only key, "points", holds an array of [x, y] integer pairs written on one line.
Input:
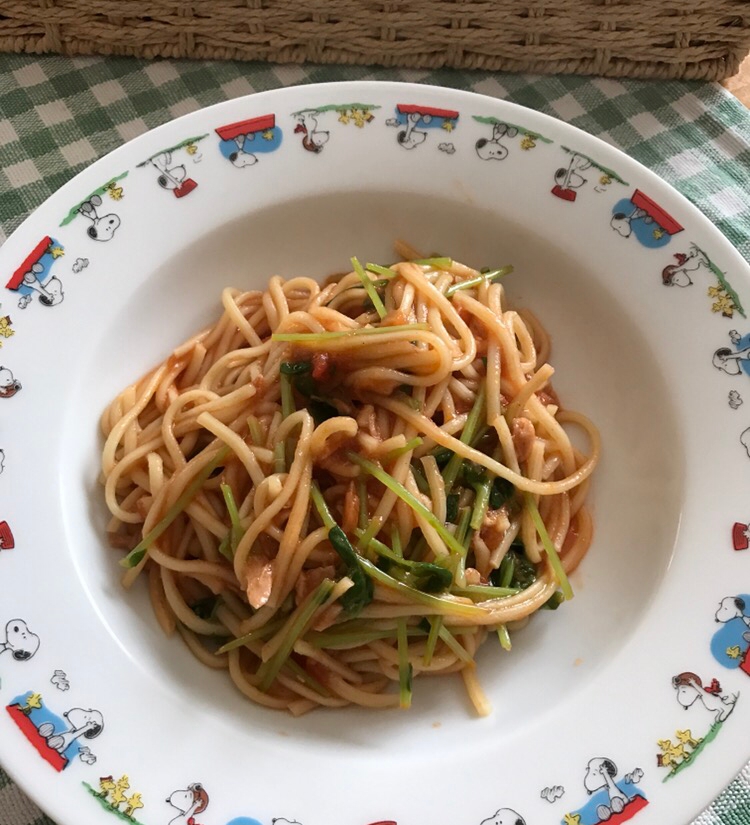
{"points": [[335, 488]]}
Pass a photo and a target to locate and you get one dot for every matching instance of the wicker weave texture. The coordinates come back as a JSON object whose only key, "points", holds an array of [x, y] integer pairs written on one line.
{"points": [[700, 39]]}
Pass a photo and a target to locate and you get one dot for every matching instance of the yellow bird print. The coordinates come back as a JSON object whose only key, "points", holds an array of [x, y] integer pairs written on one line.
{"points": [[358, 116], [5, 328], [114, 191], [34, 702], [133, 803], [686, 738]]}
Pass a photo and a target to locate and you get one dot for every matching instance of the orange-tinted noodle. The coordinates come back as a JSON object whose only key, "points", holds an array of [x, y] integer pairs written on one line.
{"points": [[214, 458]]}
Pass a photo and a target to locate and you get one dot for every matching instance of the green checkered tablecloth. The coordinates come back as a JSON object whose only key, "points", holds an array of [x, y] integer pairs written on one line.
{"points": [[59, 114]]}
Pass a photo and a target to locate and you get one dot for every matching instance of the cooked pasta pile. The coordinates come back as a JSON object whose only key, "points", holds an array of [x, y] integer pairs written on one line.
{"points": [[337, 487]]}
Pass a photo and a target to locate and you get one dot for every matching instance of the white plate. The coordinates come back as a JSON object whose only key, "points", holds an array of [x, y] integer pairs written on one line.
{"points": [[643, 298]]}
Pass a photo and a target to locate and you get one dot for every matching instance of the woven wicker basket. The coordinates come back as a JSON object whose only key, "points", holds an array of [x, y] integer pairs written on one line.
{"points": [[703, 39]]}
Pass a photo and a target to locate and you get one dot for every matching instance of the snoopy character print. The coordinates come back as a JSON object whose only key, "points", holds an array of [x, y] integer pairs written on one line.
{"points": [[171, 169], [612, 800], [188, 802], [730, 645], [34, 277], [9, 385], [20, 642], [57, 739], [100, 222]]}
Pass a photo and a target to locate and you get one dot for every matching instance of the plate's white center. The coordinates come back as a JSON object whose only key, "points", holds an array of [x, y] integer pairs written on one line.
{"points": [[604, 369]]}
